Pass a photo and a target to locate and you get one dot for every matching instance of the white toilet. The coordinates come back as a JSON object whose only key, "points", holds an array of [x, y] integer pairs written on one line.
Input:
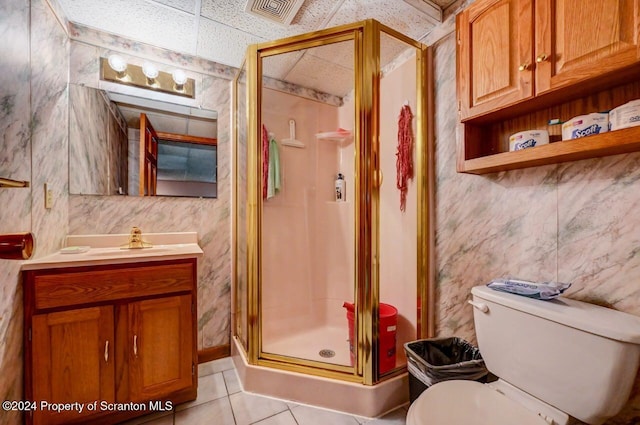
{"points": [[556, 361]]}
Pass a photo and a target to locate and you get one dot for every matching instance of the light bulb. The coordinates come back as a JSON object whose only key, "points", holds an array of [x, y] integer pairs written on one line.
{"points": [[179, 77], [117, 63], [149, 70]]}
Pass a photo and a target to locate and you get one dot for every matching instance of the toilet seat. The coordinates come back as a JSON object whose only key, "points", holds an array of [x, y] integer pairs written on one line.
{"points": [[468, 402]]}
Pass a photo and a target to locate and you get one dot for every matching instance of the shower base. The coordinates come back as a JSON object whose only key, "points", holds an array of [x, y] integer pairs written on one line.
{"points": [[356, 399], [308, 345]]}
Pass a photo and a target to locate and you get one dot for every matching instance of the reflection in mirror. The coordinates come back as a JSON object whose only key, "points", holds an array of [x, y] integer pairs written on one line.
{"points": [[176, 164], [104, 145]]}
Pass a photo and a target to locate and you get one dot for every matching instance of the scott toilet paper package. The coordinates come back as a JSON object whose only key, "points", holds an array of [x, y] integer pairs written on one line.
{"points": [[627, 115], [528, 139], [537, 290], [585, 125]]}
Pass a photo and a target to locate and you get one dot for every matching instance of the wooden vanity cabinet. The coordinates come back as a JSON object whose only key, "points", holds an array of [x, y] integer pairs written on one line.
{"points": [[66, 368], [161, 356], [113, 334]]}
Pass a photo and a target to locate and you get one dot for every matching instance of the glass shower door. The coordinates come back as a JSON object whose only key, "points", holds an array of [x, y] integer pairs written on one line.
{"points": [[307, 226]]}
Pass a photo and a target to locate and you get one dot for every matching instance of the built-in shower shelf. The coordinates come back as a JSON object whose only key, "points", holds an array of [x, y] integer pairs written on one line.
{"points": [[336, 136]]}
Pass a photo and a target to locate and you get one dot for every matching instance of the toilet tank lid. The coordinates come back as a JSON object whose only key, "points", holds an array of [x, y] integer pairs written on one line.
{"points": [[587, 317]]}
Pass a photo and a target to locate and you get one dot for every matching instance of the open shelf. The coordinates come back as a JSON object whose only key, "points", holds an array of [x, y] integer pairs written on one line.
{"points": [[484, 143], [337, 136], [610, 143]]}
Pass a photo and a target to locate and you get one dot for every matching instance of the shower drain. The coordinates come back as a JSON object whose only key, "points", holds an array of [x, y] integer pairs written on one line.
{"points": [[326, 353]]}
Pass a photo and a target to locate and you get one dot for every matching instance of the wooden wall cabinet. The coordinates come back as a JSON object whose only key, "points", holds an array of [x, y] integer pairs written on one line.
{"points": [[495, 47], [523, 62], [113, 334]]}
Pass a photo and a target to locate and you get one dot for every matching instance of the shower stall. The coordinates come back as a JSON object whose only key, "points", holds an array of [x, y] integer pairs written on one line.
{"points": [[319, 228]]}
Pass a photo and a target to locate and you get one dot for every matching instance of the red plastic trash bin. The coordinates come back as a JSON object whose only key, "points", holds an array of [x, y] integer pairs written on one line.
{"points": [[387, 325]]}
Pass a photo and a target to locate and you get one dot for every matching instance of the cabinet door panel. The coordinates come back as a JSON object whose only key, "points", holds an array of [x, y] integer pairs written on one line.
{"points": [[495, 55], [72, 360], [161, 353], [577, 40]]}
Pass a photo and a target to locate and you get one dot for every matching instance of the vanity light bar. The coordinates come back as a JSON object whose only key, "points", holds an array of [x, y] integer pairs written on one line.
{"points": [[133, 75]]}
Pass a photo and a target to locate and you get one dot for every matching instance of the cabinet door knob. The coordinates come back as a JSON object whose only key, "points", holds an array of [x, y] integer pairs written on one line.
{"points": [[541, 58], [523, 67], [106, 351], [135, 345]]}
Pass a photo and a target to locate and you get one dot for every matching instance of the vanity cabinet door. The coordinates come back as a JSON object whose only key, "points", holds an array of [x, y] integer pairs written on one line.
{"points": [[162, 354], [577, 40], [495, 43], [72, 361]]}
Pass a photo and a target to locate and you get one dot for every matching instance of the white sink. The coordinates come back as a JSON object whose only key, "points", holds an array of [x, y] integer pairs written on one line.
{"points": [[127, 252], [108, 249]]}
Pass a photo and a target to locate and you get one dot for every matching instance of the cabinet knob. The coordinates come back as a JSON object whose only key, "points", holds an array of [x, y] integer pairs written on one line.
{"points": [[135, 345], [541, 58], [523, 67], [106, 351]]}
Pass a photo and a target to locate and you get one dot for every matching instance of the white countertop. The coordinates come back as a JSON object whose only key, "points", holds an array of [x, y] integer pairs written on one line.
{"points": [[111, 249]]}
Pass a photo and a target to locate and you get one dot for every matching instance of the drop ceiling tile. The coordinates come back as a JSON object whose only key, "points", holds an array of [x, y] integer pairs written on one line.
{"points": [[396, 14], [321, 75], [188, 6], [138, 20], [231, 12], [342, 53], [278, 66], [390, 48], [223, 44]]}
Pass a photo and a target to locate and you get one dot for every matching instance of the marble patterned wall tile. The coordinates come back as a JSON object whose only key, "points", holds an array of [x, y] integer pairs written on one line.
{"points": [[15, 213], [599, 242], [11, 319], [49, 142], [84, 66], [216, 300], [572, 222], [486, 226], [88, 141], [15, 154], [598, 238], [33, 98]]}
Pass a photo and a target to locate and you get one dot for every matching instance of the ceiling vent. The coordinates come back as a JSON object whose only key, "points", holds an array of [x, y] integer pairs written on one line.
{"points": [[280, 11]]}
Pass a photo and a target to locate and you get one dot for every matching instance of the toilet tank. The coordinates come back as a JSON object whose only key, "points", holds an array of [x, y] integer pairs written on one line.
{"points": [[578, 357]]}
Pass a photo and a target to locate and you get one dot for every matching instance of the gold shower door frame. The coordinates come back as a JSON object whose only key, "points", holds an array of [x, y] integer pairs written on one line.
{"points": [[366, 38]]}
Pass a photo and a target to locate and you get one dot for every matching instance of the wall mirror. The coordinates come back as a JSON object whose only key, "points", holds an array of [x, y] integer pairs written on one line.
{"points": [[175, 154]]}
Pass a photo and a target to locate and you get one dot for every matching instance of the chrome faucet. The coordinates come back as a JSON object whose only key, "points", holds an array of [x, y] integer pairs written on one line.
{"points": [[135, 239]]}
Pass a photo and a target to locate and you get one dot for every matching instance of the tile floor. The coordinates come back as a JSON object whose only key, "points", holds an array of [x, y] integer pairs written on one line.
{"points": [[221, 401]]}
